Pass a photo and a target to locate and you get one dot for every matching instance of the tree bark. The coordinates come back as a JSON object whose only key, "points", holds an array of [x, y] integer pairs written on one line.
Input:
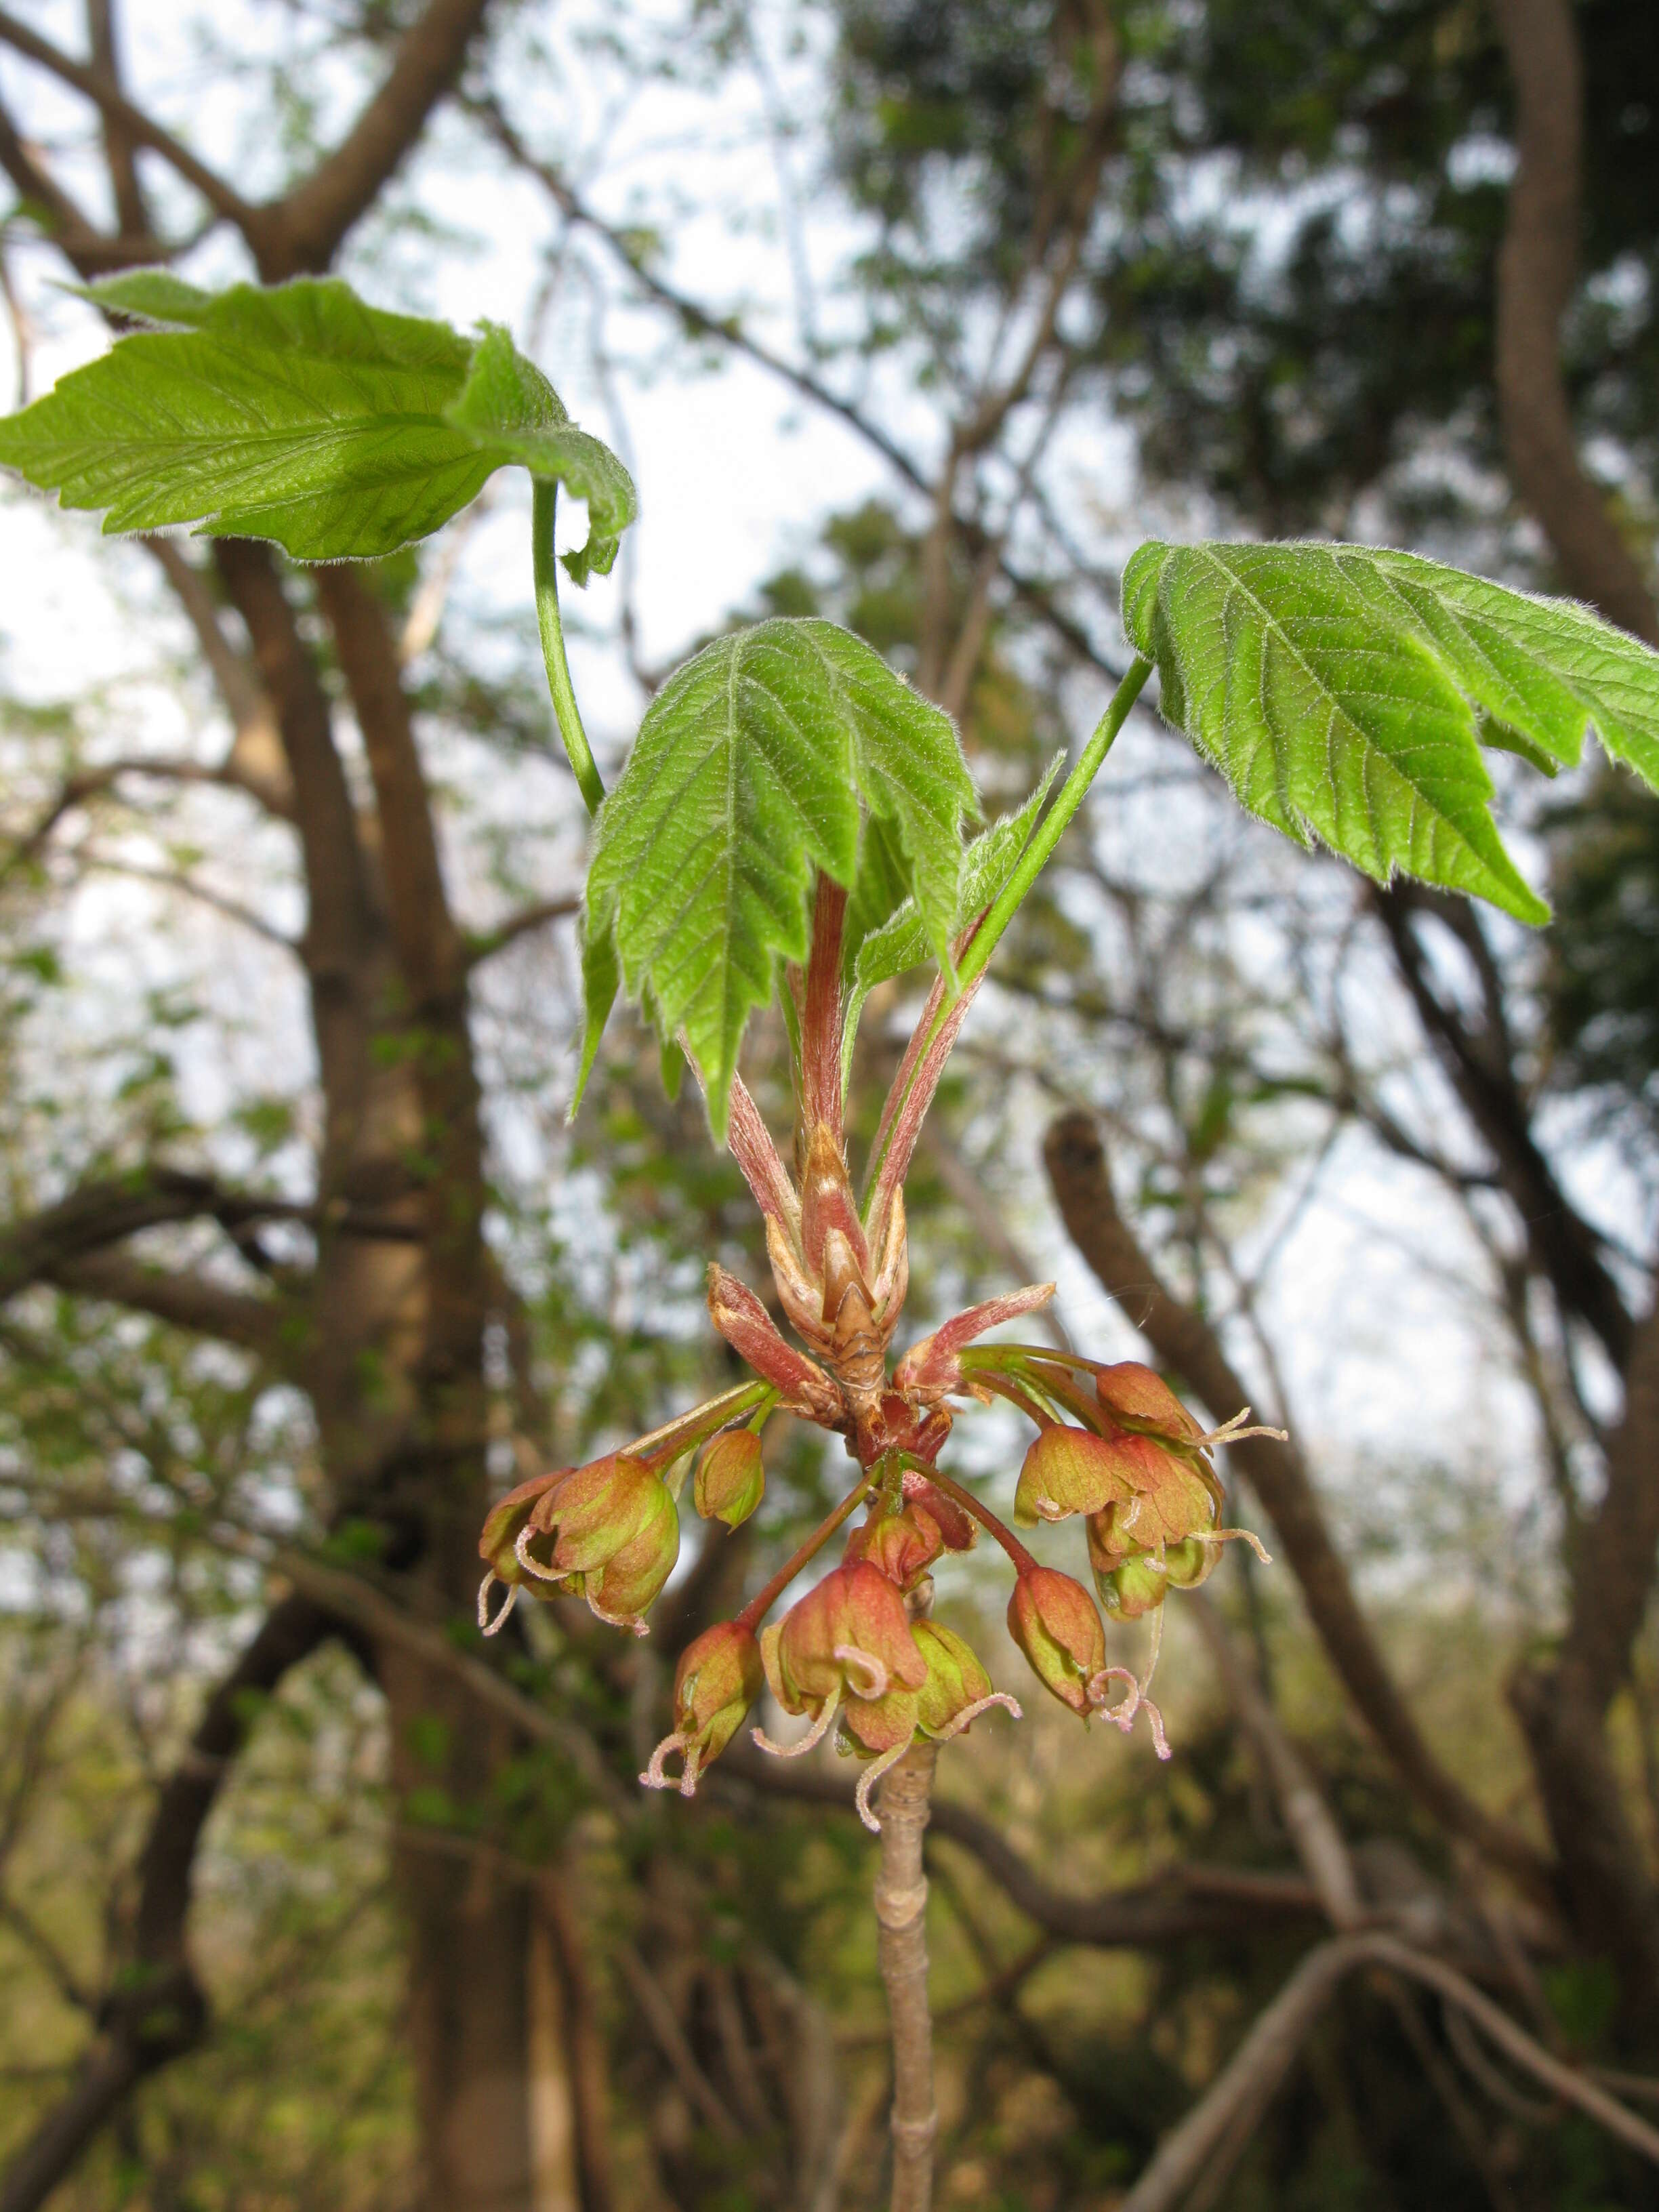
{"points": [[467, 1922], [388, 1341], [1537, 267]]}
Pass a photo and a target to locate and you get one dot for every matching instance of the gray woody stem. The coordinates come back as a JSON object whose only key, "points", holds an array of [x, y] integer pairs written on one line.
{"points": [[902, 1910]]}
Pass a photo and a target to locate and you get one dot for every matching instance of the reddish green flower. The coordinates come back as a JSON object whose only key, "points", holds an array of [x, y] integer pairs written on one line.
{"points": [[718, 1677], [1174, 1498], [1070, 1470], [957, 1689], [1053, 1621], [847, 1643], [609, 1533], [731, 1479]]}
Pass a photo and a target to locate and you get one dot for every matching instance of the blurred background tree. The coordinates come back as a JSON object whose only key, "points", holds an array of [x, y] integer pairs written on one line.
{"points": [[302, 1898]]}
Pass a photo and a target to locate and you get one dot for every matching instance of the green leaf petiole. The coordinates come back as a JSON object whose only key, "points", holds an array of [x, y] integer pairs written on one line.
{"points": [[543, 513], [976, 955]]}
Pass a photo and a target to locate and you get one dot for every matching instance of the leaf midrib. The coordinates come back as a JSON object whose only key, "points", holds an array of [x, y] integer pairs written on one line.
{"points": [[1369, 748]]}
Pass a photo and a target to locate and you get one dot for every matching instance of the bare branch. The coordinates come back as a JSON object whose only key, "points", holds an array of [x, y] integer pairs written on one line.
{"points": [[1478, 1063], [188, 886], [671, 2040], [255, 762], [1537, 268], [1307, 1819], [159, 2011], [349, 1598], [93, 252], [34, 1938], [117, 139], [1568, 2082], [1182, 1901], [1234, 2101], [342, 926], [492, 941], [703, 322], [303, 230], [585, 2042], [141, 129], [1613, 1574], [428, 947], [183, 1301], [106, 1211], [91, 783]]}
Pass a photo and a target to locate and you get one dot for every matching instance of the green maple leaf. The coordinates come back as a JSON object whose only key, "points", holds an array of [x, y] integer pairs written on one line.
{"points": [[1345, 691], [301, 415], [756, 765]]}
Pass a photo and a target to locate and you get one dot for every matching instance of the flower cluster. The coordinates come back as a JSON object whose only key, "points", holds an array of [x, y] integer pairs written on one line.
{"points": [[858, 1653]]}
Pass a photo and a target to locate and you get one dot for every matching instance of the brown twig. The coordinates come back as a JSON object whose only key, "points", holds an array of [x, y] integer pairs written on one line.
{"points": [[902, 1911]]}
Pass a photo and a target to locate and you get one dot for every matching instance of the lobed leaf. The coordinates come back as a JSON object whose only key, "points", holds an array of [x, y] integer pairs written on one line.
{"points": [[756, 765], [301, 415], [1345, 691]]}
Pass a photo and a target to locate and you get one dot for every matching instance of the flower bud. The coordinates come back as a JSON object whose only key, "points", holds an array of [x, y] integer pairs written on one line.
{"points": [[1133, 1396], [631, 1579], [731, 1477], [506, 1525], [957, 1691], [1071, 1471], [956, 1528], [903, 1545], [1053, 1621], [718, 1679], [615, 1537]]}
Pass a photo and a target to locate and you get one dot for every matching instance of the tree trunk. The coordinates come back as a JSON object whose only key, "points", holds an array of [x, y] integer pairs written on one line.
{"points": [[467, 1918]]}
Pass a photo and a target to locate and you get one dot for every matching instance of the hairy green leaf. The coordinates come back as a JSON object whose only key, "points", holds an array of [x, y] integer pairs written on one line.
{"points": [[1345, 691], [881, 885], [301, 415], [754, 767], [901, 944], [149, 295], [509, 407]]}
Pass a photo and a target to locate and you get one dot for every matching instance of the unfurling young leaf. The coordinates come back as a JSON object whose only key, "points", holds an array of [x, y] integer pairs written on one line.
{"points": [[509, 407], [1345, 691], [901, 944], [756, 766], [301, 415]]}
